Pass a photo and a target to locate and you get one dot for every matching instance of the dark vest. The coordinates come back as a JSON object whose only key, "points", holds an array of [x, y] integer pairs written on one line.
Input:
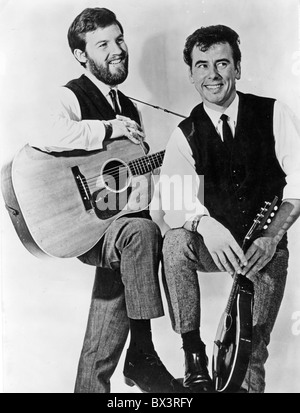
{"points": [[237, 183], [94, 105]]}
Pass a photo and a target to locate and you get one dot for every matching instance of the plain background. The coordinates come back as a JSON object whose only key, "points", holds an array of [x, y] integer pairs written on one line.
{"points": [[45, 303]]}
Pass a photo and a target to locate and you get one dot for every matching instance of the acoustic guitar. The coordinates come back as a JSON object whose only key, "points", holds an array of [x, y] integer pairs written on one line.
{"points": [[61, 204], [233, 341]]}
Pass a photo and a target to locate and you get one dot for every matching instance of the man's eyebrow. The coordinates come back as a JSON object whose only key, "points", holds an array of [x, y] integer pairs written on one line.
{"points": [[121, 36], [201, 61], [101, 41], [224, 59]]}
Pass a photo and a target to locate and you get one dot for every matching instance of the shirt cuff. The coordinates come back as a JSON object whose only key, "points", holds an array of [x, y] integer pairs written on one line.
{"points": [[292, 189], [96, 135]]}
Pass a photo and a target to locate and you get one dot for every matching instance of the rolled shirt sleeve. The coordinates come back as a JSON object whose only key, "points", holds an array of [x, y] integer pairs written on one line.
{"points": [[287, 147], [58, 125], [179, 183]]}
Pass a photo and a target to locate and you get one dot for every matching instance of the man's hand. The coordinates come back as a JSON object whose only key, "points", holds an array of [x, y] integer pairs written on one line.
{"points": [[263, 249], [123, 126], [259, 254], [225, 251]]}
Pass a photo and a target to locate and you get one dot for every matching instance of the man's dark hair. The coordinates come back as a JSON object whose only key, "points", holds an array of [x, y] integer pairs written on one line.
{"points": [[88, 21], [205, 37]]}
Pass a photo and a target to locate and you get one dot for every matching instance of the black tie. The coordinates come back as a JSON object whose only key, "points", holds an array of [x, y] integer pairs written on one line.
{"points": [[227, 134], [113, 95]]}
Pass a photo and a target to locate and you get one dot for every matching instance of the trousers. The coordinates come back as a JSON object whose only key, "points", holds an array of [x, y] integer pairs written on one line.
{"points": [[184, 253], [126, 286]]}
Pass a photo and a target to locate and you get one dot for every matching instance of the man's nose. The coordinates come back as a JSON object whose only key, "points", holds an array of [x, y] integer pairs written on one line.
{"points": [[213, 73], [117, 49]]}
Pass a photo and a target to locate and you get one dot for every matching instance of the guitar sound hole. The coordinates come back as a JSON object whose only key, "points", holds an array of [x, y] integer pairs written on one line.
{"points": [[116, 175]]}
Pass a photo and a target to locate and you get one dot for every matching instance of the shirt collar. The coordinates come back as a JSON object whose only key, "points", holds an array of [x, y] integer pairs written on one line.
{"points": [[231, 112], [104, 89]]}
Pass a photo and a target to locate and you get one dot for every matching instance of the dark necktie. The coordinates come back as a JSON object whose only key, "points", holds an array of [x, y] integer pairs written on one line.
{"points": [[113, 95], [227, 134]]}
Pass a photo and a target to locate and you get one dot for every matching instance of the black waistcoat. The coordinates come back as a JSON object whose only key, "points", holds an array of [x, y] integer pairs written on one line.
{"points": [[237, 183], [93, 103]]}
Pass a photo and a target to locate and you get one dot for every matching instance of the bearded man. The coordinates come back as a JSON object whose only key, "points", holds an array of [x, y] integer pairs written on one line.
{"points": [[89, 112]]}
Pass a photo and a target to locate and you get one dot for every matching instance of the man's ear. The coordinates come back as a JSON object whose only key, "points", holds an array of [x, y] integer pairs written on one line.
{"points": [[238, 71], [191, 76], [80, 56]]}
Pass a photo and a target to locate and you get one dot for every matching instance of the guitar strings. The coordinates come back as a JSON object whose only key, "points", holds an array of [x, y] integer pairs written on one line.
{"points": [[143, 162], [120, 170], [112, 176], [114, 172], [110, 180]]}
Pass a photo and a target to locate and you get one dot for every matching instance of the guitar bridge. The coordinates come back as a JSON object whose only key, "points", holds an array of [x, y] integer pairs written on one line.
{"points": [[83, 188]]}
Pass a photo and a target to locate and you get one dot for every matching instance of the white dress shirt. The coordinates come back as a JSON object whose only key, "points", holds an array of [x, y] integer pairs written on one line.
{"points": [[179, 162], [60, 126]]}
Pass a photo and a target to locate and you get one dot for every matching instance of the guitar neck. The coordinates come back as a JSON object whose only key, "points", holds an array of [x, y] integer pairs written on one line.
{"points": [[232, 294], [257, 226], [146, 164]]}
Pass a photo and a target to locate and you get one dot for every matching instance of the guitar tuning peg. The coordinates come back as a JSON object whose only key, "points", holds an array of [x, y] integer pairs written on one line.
{"points": [[272, 215], [275, 208], [265, 227], [269, 221]]}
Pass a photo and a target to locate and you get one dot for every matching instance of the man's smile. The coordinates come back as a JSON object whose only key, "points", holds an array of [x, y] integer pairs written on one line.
{"points": [[214, 87], [117, 61]]}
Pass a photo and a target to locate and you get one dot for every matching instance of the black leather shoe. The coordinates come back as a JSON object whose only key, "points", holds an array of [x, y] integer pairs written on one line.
{"points": [[148, 373], [196, 376]]}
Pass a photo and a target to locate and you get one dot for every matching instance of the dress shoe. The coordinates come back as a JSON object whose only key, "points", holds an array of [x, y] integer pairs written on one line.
{"points": [[196, 376], [148, 373]]}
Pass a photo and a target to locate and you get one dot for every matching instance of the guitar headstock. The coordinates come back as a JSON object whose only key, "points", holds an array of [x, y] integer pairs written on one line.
{"points": [[263, 218]]}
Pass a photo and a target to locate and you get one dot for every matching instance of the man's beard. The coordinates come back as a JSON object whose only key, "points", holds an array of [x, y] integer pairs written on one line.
{"points": [[103, 73]]}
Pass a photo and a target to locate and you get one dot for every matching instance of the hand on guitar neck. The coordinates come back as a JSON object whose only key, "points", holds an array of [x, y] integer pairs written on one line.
{"points": [[229, 256], [233, 342], [262, 250]]}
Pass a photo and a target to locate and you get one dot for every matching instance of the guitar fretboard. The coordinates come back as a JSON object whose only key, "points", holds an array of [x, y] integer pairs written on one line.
{"points": [[232, 294], [146, 164], [258, 224]]}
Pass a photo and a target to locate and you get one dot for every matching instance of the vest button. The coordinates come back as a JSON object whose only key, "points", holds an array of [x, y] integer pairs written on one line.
{"points": [[236, 170]]}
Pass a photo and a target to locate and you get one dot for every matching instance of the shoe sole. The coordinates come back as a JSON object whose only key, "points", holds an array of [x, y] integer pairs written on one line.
{"points": [[132, 383], [129, 382]]}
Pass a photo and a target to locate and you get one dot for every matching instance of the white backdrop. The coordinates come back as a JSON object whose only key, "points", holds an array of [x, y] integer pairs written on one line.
{"points": [[45, 303]]}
